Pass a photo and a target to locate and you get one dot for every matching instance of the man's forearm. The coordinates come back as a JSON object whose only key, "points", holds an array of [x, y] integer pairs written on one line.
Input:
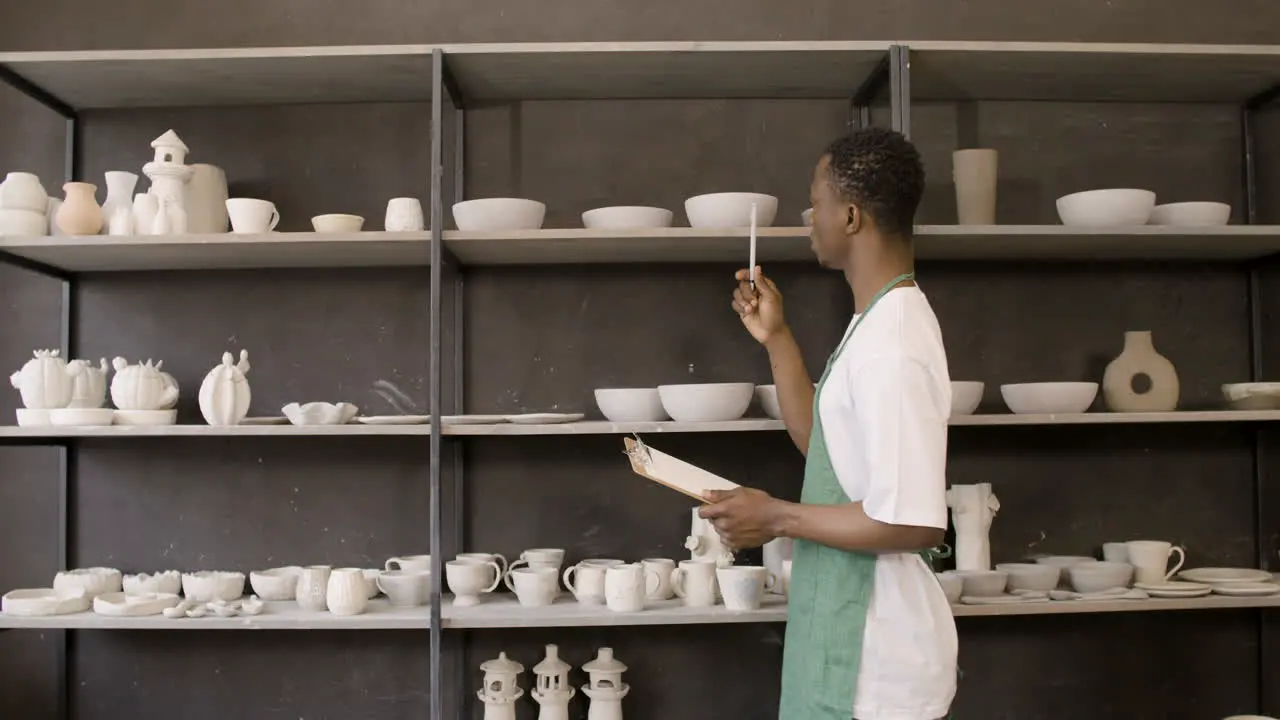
{"points": [[847, 527], [795, 388]]}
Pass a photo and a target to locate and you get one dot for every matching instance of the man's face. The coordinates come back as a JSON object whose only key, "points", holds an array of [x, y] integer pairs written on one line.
{"points": [[834, 220]]}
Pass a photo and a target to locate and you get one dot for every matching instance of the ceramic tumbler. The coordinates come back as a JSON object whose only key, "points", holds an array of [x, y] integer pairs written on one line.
{"points": [[404, 215], [313, 587], [346, 593], [974, 172]]}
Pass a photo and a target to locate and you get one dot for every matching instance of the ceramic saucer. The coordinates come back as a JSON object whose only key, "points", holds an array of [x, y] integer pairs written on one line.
{"points": [[1002, 599], [1217, 576], [394, 420], [1246, 589], [1175, 589], [544, 418]]}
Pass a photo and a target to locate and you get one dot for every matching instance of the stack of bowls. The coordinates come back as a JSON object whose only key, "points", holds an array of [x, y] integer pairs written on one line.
{"points": [[23, 206]]}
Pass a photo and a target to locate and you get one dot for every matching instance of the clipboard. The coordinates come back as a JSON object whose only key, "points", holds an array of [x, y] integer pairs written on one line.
{"points": [[672, 472]]}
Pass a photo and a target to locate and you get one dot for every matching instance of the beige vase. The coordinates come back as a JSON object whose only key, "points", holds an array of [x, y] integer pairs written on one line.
{"points": [[1140, 379], [974, 172], [80, 213]]}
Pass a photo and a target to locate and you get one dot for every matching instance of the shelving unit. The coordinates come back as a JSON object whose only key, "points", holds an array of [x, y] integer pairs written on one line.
{"points": [[452, 77]]}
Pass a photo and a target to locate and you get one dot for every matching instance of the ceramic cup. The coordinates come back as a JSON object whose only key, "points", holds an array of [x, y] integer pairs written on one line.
{"points": [[586, 580], [404, 215], [250, 216], [469, 579], [534, 586], [550, 558], [313, 587], [346, 592], [695, 582], [1150, 560], [662, 568], [1115, 552], [486, 559], [974, 172], [743, 586], [410, 563], [626, 586], [405, 588]]}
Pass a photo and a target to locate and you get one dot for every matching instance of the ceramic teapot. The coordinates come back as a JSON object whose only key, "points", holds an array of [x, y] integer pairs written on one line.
{"points": [[89, 383], [224, 394], [46, 381], [142, 386]]}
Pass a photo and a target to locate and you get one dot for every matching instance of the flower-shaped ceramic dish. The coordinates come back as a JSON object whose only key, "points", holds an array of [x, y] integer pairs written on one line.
{"points": [[320, 413], [209, 585], [167, 582], [34, 602], [94, 581]]}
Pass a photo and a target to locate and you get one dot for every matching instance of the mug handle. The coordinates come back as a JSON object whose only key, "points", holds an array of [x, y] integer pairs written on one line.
{"points": [[518, 563], [502, 562], [770, 580], [497, 577], [378, 582], [651, 582], [275, 219], [1182, 557], [393, 564], [677, 581], [569, 572], [506, 580]]}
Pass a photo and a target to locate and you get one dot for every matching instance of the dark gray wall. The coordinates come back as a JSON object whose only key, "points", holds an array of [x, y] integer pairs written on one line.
{"points": [[543, 338]]}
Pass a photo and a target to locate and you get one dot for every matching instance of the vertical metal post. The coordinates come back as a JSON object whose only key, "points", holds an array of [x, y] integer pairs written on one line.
{"points": [[434, 375], [865, 95], [900, 88], [66, 453]]}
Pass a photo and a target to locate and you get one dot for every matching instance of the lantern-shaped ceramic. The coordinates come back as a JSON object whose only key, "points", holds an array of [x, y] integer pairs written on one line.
{"points": [[552, 673], [89, 384], [45, 382], [224, 394], [142, 386], [500, 676], [605, 671]]}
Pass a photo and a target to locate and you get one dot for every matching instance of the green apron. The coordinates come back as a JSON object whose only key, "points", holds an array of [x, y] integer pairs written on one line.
{"points": [[830, 590]]}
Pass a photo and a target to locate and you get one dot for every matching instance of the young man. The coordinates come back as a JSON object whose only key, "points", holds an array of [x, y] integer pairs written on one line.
{"points": [[869, 633]]}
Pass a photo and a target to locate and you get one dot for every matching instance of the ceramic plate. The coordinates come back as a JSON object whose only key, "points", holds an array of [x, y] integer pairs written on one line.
{"points": [[394, 420], [1000, 599], [265, 421], [1215, 576], [473, 419], [544, 418], [1247, 589], [1175, 589]]}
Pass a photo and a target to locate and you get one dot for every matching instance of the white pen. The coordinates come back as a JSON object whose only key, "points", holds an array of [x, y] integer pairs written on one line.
{"points": [[752, 271]]}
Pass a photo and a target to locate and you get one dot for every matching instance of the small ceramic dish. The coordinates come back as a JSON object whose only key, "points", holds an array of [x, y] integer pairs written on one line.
{"points": [[28, 417], [337, 223], [36, 602], [82, 417], [320, 413], [93, 581], [122, 605], [544, 418], [146, 417]]}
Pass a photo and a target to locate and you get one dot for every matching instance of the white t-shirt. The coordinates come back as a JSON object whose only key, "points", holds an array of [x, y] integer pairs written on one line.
{"points": [[884, 413]]}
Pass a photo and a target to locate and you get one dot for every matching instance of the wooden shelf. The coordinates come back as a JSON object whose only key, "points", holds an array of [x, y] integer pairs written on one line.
{"points": [[224, 251], [276, 616], [1091, 71], [604, 427], [676, 244], [146, 431]]}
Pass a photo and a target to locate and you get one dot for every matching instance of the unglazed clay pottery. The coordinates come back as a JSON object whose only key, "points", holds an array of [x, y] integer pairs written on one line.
{"points": [[1115, 552], [973, 508], [346, 594], [169, 174], [605, 686], [501, 688], [206, 199], [51, 214], [1191, 214], [23, 191], [1098, 576], [1247, 589], [209, 585], [23, 223], [33, 418], [120, 186], [952, 586], [1252, 396], [1220, 576], [167, 582], [660, 568], [405, 588], [498, 214], [313, 587], [276, 584], [586, 582], [1031, 576], [1175, 589], [730, 210], [974, 173], [544, 418], [534, 586], [337, 223], [775, 553], [46, 381], [250, 216], [92, 581], [39, 602], [1048, 398], [142, 386], [145, 418], [551, 688], [145, 208], [743, 586], [965, 397], [551, 558], [982, 583], [485, 559], [82, 417], [224, 394], [626, 586], [404, 215], [1140, 379], [88, 384], [707, 402], [320, 413], [120, 222], [1150, 560], [767, 396], [80, 213], [695, 582], [141, 605], [633, 217], [1106, 208], [409, 563], [469, 580]]}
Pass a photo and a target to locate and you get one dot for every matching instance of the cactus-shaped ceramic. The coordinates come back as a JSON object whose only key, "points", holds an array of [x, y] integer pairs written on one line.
{"points": [[142, 386], [46, 381], [89, 384], [224, 394]]}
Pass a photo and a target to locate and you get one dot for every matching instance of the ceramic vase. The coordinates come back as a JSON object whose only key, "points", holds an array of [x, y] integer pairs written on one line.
{"points": [[23, 191], [206, 200], [1140, 379], [224, 394], [974, 172], [973, 508], [145, 207], [120, 186], [80, 213], [346, 593]]}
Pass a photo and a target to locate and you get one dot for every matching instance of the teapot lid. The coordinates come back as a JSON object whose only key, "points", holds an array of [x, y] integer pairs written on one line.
{"points": [[605, 663], [552, 664], [502, 665]]}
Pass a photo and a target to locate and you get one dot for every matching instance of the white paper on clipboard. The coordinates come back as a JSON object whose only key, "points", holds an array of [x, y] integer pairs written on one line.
{"points": [[673, 472]]}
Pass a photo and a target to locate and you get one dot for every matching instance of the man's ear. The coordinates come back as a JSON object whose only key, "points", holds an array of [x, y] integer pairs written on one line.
{"points": [[853, 219]]}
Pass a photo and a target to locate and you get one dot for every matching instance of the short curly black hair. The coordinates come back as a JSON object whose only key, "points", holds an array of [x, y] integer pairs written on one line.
{"points": [[880, 171]]}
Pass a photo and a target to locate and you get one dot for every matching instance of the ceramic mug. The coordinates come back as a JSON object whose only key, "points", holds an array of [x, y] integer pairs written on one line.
{"points": [[404, 215], [743, 586], [346, 593], [626, 586], [405, 588], [313, 587], [1115, 552], [486, 558], [662, 568], [1150, 560], [586, 580], [469, 579], [695, 582], [786, 577], [250, 216], [534, 586], [551, 558], [410, 563]]}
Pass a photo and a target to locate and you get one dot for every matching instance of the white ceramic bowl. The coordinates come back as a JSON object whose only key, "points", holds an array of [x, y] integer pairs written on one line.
{"points": [[81, 417], [1106, 208], [209, 585], [1099, 576], [168, 582], [730, 210], [319, 413], [982, 583], [630, 404], [277, 583], [965, 397], [627, 216], [498, 214], [337, 223], [767, 395], [23, 223], [708, 402], [952, 586], [1031, 576], [1252, 396], [1191, 214], [1050, 397]]}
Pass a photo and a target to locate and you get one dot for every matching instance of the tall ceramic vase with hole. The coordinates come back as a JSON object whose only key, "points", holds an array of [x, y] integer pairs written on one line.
{"points": [[1140, 379], [974, 172]]}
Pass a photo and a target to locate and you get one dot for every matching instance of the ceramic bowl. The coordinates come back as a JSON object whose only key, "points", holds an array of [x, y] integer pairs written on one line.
{"points": [[27, 417], [1049, 397], [710, 402], [168, 582], [965, 397], [1107, 208], [1099, 576], [1249, 396], [498, 214], [277, 583], [627, 217], [209, 585], [320, 413], [1031, 576], [630, 404], [730, 210], [767, 396], [982, 583], [337, 223], [93, 581], [81, 417], [23, 223], [952, 586], [1191, 214]]}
